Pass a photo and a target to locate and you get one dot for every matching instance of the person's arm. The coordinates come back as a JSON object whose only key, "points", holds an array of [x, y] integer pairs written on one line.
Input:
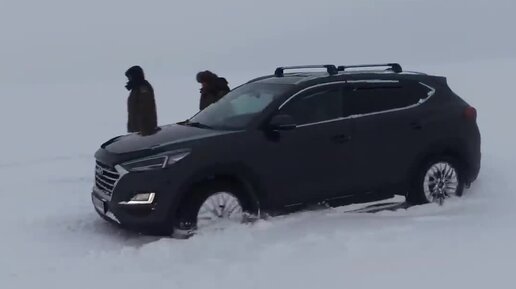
{"points": [[147, 116], [202, 99], [202, 103], [132, 112]]}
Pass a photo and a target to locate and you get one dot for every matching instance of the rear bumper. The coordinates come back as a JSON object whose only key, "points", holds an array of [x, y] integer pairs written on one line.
{"points": [[474, 157], [474, 171]]}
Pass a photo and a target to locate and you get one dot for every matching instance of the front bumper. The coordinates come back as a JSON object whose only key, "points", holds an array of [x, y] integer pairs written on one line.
{"points": [[152, 218], [140, 218], [101, 201]]}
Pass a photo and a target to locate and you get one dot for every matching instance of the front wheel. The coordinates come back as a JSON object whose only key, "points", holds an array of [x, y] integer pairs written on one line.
{"points": [[212, 205], [220, 206], [436, 181]]}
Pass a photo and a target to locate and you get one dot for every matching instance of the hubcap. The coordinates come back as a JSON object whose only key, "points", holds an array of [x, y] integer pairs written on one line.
{"points": [[441, 182], [219, 207]]}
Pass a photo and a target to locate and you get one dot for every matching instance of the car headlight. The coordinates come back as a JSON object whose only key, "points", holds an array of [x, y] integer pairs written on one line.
{"points": [[155, 162]]}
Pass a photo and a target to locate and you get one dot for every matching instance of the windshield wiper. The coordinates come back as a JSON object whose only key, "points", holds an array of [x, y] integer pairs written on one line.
{"points": [[197, 124]]}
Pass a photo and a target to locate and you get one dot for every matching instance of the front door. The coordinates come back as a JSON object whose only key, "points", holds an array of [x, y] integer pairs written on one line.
{"points": [[312, 161]]}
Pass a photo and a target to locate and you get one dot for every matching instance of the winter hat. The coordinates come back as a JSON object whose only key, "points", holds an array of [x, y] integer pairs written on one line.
{"points": [[206, 76]]}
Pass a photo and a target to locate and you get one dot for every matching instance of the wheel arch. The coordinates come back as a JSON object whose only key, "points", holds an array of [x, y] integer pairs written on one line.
{"points": [[236, 174], [448, 148]]}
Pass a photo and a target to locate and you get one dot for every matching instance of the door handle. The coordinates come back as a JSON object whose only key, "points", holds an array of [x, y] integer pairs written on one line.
{"points": [[341, 138]]}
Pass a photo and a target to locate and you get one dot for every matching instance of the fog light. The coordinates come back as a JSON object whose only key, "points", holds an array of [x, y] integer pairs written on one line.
{"points": [[140, 199]]}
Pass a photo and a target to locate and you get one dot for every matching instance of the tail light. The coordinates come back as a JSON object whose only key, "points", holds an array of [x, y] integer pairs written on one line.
{"points": [[470, 113]]}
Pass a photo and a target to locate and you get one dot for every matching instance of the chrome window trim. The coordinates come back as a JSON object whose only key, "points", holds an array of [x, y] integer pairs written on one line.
{"points": [[429, 95], [373, 81], [322, 122], [308, 88], [432, 90]]}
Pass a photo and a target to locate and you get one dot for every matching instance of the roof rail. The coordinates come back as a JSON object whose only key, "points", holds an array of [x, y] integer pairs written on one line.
{"points": [[395, 67], [330, 68]]}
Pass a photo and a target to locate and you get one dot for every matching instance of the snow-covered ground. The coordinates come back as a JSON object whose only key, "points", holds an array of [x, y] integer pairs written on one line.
{"points": [[51, 237], [61, 91]]}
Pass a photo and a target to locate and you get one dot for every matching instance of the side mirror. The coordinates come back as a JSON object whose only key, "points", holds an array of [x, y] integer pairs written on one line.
{"points": [[282, 122]]}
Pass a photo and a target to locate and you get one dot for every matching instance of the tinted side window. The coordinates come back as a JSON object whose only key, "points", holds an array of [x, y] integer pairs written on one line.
{"points": [[369, 98], [315, 106]]}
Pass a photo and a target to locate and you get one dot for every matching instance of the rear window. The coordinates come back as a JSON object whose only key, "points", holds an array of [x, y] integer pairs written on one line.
{"points": [[377, 97]]}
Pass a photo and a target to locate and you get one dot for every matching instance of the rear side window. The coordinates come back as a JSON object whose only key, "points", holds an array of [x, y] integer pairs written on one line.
{"points": [[315, 106], [371, 97]]}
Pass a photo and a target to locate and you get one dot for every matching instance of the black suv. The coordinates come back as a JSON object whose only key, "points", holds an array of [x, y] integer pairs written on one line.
{"points": [[290, 139]]}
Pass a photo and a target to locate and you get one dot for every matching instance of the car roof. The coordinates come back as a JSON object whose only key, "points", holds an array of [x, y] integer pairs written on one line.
{"points": [[312, 78]]}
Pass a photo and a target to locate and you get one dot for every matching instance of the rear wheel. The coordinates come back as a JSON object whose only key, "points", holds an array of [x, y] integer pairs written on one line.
{"points": [[212, 205], [437, 180]]}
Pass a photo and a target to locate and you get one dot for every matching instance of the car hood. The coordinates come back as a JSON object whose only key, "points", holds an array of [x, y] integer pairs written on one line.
{"points": [[167, 135]]}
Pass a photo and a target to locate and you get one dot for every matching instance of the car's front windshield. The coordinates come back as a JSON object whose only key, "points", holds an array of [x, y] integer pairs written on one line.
{"points": [[239, 107]]}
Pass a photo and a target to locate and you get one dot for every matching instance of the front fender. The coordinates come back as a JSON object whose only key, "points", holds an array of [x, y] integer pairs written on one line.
{"points": [[234, 171]]}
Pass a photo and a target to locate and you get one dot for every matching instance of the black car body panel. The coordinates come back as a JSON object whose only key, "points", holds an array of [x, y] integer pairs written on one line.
{"points": [[359, 142]]}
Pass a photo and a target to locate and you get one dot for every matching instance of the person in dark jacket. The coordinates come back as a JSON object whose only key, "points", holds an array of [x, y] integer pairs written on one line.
{"points": [[141, 105], [213, 88]]}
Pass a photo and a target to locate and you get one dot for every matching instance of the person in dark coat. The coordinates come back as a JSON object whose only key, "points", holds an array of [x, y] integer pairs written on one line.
{"points": [[213, 88], [141, 105]]}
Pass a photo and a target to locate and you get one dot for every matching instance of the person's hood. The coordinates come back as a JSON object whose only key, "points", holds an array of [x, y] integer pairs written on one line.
{"points": [[136, 78], [166, 136], [136, 73]]}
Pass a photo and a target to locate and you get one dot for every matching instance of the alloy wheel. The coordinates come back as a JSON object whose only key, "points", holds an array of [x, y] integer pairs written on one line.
{"points": [[221, 206], [441, 182]]}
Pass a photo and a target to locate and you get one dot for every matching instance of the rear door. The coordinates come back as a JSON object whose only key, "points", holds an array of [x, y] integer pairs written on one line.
{"points": [[388, 130]]}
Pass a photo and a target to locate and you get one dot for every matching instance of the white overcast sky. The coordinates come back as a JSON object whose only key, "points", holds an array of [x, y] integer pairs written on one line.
{"points": [[56, 40]]}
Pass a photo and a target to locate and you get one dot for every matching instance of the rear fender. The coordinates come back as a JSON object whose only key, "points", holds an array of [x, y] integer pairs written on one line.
{"points": [[450, 147]]}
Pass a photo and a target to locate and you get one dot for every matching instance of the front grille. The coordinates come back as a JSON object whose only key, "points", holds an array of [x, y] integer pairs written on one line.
{"points": [[106, 178]]}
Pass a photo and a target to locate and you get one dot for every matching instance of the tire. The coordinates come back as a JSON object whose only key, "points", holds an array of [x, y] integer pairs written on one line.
{"points": [[436, 180], [217, 201]]}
